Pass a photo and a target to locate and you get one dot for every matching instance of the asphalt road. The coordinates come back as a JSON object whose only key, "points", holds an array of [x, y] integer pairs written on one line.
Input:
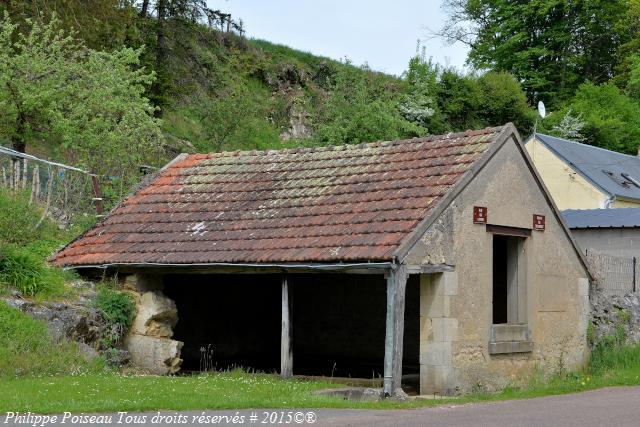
{"points": [[617, 407]]}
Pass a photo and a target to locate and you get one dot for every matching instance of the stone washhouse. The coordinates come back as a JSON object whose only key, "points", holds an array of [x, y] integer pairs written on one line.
{"points": [[435, 264]]}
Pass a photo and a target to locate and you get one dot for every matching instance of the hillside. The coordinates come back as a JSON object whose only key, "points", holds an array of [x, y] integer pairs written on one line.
{"points": [[152, 86]]}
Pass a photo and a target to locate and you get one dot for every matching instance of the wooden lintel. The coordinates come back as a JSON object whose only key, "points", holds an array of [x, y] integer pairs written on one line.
{"points": [[429, 268]]}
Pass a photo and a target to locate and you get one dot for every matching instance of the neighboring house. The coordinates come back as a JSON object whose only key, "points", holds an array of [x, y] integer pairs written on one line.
{"points": [[581, 176], [613, 232], [439, 258]]}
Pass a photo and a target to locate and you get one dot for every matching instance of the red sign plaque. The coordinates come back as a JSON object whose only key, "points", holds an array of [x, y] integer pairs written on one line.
{"points": [[479, 215], [538, 222]]}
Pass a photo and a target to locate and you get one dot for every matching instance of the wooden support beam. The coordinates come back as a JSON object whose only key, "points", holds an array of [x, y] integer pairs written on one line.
{"points": [[286, 351], [394, 337]]}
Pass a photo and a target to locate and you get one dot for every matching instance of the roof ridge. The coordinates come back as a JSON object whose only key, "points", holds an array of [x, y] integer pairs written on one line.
{"points": [[587, 145], [362, 145]]}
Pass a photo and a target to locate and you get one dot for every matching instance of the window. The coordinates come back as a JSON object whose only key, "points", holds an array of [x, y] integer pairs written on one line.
{"points": [[509, 277]]}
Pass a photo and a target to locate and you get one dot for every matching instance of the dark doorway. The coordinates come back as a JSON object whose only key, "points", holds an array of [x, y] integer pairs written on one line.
{"points": [[507, 278], [338, 322], [235, 316]]}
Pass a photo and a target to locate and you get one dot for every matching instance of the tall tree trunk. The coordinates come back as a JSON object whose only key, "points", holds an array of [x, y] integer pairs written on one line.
{"points": [[144, 9], [161, 51]]}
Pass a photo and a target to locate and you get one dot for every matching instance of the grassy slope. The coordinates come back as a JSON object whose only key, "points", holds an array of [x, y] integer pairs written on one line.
{"points": [[263, 68], [238, 390]]}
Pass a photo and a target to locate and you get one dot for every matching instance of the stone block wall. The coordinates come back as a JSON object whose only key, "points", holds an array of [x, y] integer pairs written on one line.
{"points": [[149, 340], [438, 332]]}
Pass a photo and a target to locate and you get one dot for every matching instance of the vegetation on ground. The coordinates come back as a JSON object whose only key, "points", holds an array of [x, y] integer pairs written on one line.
{"points": [[27, 350], [26, 240], [240, 390]]}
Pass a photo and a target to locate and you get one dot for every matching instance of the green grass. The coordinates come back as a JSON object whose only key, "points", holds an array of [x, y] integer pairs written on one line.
{"points": [[26, 349], [25, 244], [239, 390], [101, 393]]}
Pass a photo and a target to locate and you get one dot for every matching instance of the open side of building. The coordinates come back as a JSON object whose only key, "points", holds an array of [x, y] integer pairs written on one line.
{"points": [[438, 263]]}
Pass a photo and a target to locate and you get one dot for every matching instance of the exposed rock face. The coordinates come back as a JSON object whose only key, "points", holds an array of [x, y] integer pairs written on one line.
{"points": [[149, 340], [157, 315], [299, 119], [609, 312], [159, 356], [77, 321]]}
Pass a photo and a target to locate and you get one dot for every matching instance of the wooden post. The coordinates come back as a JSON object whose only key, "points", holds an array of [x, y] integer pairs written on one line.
{"points": [[394, 337], [286, 351], [25, 169], [97, 193]]}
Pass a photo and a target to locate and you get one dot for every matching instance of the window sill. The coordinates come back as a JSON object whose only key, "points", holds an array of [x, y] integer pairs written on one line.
{"points": [[510, 338]]}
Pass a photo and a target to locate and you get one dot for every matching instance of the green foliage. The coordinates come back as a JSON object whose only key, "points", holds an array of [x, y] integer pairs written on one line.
{"points": [[116, 307], [24, 247], [550, 46], [26, 271], [87, 104], [26, 349], [504, 101], [611, 119], [358, 110], [633, 84], [18, 220], [419, 104]]}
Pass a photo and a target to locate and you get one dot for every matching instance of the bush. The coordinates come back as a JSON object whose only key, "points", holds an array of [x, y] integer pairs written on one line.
{"points": [[116, 307], [26, 349], [25, 270]]}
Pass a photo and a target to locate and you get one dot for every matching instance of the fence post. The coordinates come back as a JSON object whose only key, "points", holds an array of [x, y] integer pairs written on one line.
{"points": [[635, 261], [98, 194]]}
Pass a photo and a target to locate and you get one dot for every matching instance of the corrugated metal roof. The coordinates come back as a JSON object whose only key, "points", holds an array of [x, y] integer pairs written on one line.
{"points": [[602, 218], [612, 172], [344, 203]]}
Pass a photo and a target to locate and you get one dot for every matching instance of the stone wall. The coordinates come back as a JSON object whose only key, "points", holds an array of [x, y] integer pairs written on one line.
{"points": [[149, 340], [610, 312], [555, 292]]}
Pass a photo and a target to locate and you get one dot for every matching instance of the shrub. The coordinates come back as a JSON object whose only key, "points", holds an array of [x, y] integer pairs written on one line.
{"points": [[116, 307], [26, 349], [25, 270]]}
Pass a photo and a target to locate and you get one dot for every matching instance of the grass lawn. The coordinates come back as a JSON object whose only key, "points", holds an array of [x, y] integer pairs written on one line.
{"points": [[109, 392], [238, 390]]}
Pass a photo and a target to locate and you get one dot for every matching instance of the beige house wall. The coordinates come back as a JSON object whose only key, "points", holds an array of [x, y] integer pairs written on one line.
{"points": [[456, 307], [624, 204], [567, 187]]}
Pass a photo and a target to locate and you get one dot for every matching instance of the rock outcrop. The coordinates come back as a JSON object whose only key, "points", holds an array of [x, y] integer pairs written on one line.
{"points": [[77, 321], [149, 341]]}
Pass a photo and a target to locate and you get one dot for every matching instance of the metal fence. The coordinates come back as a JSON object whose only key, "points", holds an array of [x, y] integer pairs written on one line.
{"points": [[63, 191], [616, 275]]}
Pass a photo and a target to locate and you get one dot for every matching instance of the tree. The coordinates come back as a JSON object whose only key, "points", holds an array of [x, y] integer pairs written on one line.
{"points": [[612, 119], [504, 101], [551, 46], [419, 104], [358, 111], [570, 127], [86, 104]]}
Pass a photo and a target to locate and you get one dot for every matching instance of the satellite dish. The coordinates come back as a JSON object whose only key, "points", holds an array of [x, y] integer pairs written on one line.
{"points": [[541, 109]]}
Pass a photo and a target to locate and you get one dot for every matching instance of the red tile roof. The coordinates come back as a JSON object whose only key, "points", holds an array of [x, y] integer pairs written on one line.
{"points": [[343, 203]]}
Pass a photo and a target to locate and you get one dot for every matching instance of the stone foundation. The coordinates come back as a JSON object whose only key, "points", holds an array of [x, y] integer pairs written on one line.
{"points": [[149, 340]]}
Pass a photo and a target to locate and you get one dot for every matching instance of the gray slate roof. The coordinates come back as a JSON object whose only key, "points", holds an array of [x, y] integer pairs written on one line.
{"points": [[602, 218], [612, 172]]}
